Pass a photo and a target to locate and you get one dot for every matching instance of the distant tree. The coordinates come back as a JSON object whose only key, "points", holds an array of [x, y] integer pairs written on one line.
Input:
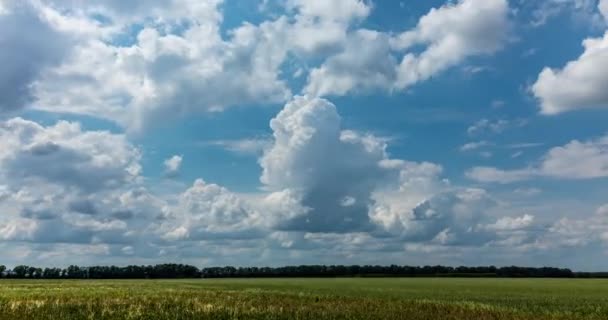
{"points": [[20, 271], [2, 270]]}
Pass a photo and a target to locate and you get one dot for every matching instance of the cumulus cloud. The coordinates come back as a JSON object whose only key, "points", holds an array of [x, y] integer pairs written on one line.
{"points": [[581, 232], [603, 7], [64, 154], [70, 185], [169, 72], [183, 63], [575, 160], [357, 67], [324, 189], [321, 27], [579, 84], [31, 46], [173, 165], [450, 34], [163, 76], [313, 157], [208, 211]]}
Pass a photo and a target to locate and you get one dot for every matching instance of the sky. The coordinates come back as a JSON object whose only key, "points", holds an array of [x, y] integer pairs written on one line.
{"points": [[268, 133]]}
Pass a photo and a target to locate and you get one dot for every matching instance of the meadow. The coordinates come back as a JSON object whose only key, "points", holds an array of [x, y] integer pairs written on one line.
{"points": [[341, 298]]}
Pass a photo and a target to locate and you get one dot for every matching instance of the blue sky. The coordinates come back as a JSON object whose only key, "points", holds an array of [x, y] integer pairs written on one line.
{"points": [[291, 132]]}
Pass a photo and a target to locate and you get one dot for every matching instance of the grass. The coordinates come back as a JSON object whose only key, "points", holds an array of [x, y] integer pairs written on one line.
{"points": [[345, 298]]}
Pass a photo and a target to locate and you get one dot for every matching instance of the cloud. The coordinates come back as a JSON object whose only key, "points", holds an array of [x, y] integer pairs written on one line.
{"points": [[445, 217], [183, 63], [486, 126], [339, 10], [68, 185], [474, 145], [528, 192], [576, 233], [450, 34], [209, 211], [603, 7], [579, 84], [65, 155], [575, 160], [173, 165], [581, 10], [489, 174], [164, 76], [511, 223], [366, 68], [313, 157], [248, 146], [31, 46]]}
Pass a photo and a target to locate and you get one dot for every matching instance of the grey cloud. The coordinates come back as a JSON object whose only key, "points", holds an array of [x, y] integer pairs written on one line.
{"points": [[83, 206], [31, 46]]}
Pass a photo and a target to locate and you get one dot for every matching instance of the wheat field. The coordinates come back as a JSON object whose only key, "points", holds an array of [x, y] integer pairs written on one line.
{"points": [[343, 298]]}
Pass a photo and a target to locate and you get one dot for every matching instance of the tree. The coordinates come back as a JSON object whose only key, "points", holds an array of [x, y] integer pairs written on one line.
{"points": [[20, 271]]}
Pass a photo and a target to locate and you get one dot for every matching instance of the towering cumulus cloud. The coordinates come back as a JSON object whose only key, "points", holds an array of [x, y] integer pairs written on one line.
{"points": [[334, 171]]}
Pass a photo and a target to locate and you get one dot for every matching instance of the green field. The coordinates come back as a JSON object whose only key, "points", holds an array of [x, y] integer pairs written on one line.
{"points": [[347, 298]]}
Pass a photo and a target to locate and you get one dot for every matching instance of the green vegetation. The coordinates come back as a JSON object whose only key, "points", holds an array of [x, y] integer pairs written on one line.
{"points": [[341, 298]]}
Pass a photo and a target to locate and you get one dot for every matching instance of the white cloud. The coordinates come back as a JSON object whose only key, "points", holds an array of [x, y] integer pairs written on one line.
{"points": [[208, 211], [338, 10], [169, 72], [474, 145], [578, 85], [511, 223], [173, 165], [581, 10], [66, 185], [581, 232], [451, 34], [253, 146], [311, 156], [528, 192], [65, 155], [321, 27], [357, 67], [164, 76], [575, 160], [182, 63], [486, 126], [489, 174], [603, 7]]}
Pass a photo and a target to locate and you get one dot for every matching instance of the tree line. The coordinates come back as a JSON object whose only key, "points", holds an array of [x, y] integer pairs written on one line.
{"points": [[168, 271]]}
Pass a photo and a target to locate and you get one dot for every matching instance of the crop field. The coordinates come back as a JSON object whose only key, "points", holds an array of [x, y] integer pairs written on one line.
{"points": [[344, 298]]}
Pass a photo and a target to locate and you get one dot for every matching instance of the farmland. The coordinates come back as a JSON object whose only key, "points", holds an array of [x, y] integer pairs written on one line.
{"points": [[341, 298]]}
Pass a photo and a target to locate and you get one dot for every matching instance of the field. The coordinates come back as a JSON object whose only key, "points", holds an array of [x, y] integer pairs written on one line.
{"points": [[358, 298]]}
